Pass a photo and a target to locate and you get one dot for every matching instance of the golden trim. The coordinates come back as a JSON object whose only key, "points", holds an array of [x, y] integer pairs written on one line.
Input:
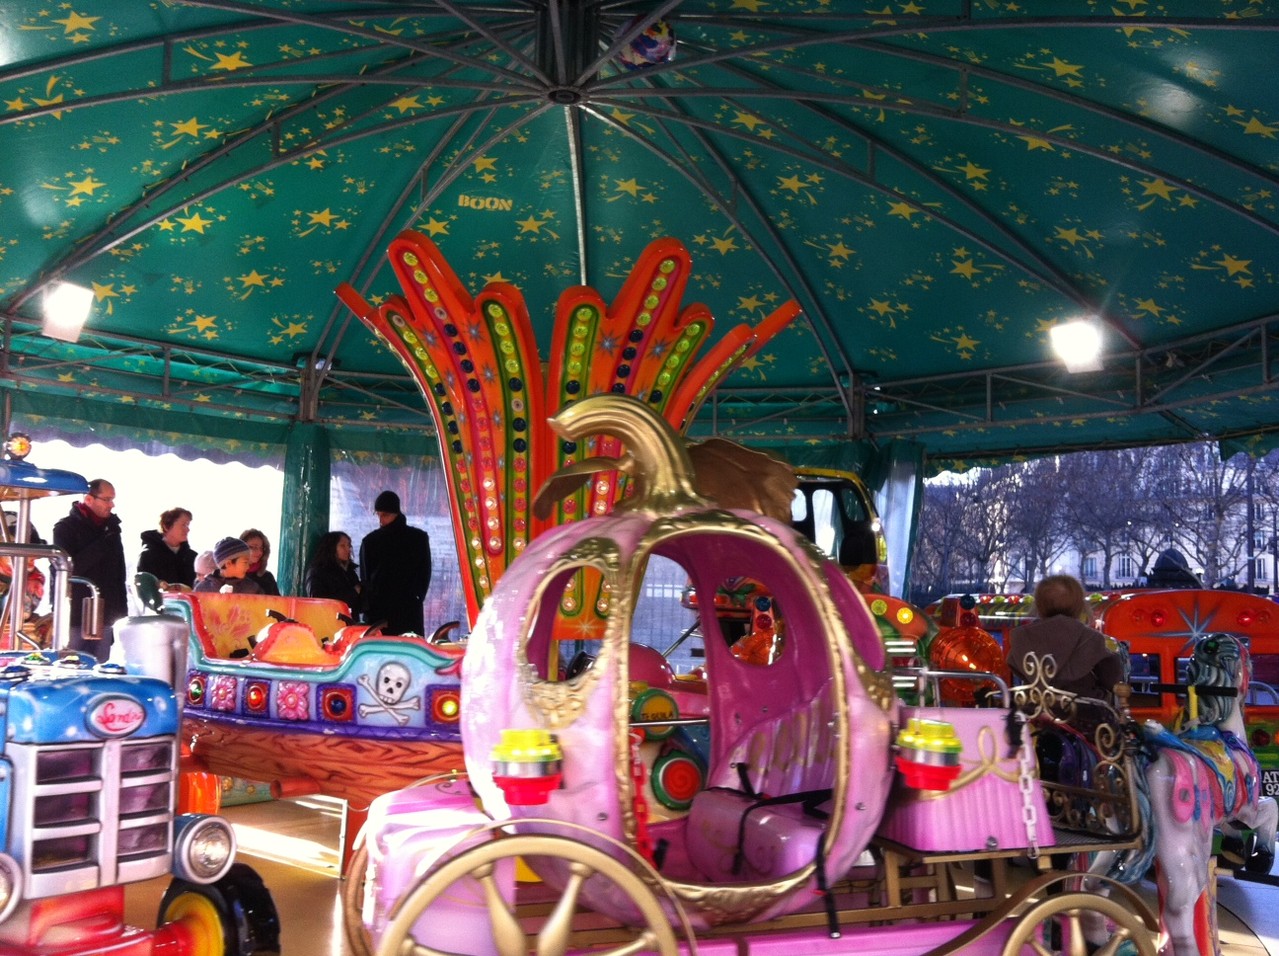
{"points": [[561, 702], [987, 763]]}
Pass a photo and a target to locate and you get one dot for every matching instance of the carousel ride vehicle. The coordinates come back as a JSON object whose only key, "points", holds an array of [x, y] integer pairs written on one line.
{"points": [[1157, 631], [285, 691], [92, 783], [830, 819]]}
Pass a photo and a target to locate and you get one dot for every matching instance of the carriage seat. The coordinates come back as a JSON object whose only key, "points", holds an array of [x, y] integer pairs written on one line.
{"points": [[225, 623], [746, 838], [771, 823], [286, 642]]}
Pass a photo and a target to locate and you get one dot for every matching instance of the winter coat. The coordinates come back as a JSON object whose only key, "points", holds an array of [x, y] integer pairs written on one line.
{"points": [[395, 566], [265, 581], [97, 553], [1085, 665], [169, 566], [337, 583], [215, 583]]}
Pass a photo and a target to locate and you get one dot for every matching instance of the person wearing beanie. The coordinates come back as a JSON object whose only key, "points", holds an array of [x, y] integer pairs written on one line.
{"points": [[167, 554], [90, 535], [395, 570], [231, 555]]}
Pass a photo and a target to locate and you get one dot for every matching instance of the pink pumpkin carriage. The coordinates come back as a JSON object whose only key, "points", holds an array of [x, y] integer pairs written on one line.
{"points": [[779, 844]]}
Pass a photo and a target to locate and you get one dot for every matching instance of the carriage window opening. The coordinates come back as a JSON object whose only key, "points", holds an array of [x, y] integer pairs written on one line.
{"points": [[749, 620], [853, 505], [565, 637], [1265, 668], [813, 511], [1264, 689], [1145, 671]]}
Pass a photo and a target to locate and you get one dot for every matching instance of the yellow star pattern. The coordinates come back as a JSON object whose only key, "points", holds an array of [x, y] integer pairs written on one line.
{"points": [[1254, 127], [85, 186], [77, 21], [195, 223], [230, 63]]}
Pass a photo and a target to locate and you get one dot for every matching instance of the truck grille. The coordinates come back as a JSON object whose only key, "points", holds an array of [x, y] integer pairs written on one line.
{"points": [[92, 815]]}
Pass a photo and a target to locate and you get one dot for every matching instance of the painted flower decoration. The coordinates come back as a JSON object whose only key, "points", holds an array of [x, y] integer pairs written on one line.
{"points": [[293, 700], [222, 692]]}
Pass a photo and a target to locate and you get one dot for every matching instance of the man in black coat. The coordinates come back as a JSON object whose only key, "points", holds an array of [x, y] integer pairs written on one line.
{"points": [[90, 535], [395, 566]]}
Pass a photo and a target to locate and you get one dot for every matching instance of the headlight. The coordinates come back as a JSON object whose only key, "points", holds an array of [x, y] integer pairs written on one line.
{"points": [[203, 847], [10, 886]]}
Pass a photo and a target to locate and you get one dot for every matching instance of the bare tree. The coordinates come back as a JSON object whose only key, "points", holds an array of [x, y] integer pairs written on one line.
{"points": [[981, 529], [1035, 529], [933, 563], [1209, 523], [985, 523], [1266, 493], [1099, 502]]}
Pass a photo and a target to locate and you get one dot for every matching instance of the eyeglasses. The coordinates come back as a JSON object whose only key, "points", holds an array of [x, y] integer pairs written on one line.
{"points": [[110, 500], [256, 547]]}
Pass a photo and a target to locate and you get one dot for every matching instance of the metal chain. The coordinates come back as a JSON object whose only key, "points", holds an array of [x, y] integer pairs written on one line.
{"points": [[1026, 783]]}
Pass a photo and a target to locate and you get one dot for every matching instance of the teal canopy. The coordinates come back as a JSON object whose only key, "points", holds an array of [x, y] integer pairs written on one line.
{"points": [[937, 184]]}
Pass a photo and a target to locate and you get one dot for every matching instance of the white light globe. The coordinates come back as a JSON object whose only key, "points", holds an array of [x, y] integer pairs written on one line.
{"points": [[1078, 344], [66, 307]]}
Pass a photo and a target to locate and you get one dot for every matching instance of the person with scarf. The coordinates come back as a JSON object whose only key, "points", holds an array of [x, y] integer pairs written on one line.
{"points": [[259, 552], [90, 535]]}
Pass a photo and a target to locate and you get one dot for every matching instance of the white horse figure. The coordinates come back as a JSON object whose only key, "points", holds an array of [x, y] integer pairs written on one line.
{"points": [[1202, 776]]}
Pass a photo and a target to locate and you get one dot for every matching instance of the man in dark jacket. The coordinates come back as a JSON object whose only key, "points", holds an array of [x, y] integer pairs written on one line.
{"points": [[395, 565], [90, 535]]}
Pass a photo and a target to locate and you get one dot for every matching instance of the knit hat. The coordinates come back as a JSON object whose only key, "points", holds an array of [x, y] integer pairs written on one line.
{"points": [[228, 548], [387, 502]]}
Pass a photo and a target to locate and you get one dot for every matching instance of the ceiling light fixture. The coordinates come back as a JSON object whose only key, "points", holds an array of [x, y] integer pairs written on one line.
{"points": [[66, 309], [1078, 344]]}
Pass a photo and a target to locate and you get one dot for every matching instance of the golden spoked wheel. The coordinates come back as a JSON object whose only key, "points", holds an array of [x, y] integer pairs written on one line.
{"points": [[358, 942], [550, 936], [1055, 927]]}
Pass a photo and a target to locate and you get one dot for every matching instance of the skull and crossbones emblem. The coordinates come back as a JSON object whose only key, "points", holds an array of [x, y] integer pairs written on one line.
{"points": [[388, 690]]}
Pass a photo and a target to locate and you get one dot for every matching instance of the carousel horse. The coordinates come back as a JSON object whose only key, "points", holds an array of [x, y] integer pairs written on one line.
{"points": [[1200, 777]]}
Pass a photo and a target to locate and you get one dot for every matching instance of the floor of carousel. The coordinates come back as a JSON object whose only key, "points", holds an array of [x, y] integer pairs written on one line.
{"points": [[293, 844]]}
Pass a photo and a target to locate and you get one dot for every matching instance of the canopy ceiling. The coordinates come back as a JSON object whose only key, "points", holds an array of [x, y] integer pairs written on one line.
{"points": [[937, 184]]}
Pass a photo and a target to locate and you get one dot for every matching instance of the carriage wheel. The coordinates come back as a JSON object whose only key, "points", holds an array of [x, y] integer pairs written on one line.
{"points": [[551, 936], [1055, 927], [358, 942]]}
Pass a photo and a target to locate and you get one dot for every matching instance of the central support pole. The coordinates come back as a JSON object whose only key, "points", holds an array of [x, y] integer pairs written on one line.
{"points": [[306, 501]]}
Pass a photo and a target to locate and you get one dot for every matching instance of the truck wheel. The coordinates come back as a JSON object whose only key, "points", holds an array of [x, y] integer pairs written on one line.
{"points": [[233, 917]]}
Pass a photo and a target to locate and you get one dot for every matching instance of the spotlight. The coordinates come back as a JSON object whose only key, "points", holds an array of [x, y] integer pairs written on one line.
{"points": [[66, 308], [1078, 344]]}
